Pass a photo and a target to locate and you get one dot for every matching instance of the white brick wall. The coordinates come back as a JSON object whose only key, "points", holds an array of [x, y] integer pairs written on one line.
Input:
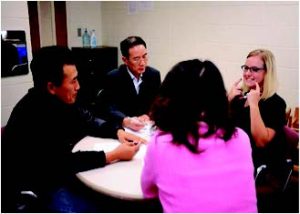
{"points": [[223, 32], [14, 16]]}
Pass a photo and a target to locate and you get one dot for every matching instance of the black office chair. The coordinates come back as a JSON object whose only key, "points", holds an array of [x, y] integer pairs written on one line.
{"points": [[27, 201], [14, 201], [278, 193]]}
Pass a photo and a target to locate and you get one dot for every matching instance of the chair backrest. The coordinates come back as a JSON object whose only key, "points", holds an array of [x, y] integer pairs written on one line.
{"points": [[263, 179], [295, 119], [292, 118], [288, 116], [2, 130], [292, 140]]}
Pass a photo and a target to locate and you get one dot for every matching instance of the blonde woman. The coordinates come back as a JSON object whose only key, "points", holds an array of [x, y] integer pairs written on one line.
{"points": [[260, 111]]}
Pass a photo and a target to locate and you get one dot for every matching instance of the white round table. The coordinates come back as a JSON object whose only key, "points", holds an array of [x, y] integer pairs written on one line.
{"points": [[120, 179]]}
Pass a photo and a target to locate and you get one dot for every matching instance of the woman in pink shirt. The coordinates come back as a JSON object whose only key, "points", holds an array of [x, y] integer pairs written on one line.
{"points": [[197, 161]]}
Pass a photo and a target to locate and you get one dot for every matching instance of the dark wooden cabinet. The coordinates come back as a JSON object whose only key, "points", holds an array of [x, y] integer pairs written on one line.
{"points": [[92, 65]]}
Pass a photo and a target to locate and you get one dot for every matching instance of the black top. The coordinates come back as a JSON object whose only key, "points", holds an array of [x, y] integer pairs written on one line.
{"points": [[272, 111], [121, 98], [38, 140]]}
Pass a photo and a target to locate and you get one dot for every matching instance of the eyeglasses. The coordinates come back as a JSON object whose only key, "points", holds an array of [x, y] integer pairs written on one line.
{"points": [[138, 60], [251, 69]]}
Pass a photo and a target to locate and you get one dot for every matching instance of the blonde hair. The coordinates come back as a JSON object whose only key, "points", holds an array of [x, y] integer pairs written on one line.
{"points": [[270, 79]]}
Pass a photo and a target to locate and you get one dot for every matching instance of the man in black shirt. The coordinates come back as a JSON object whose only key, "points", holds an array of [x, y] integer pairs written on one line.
{"points": [[42, 130]]}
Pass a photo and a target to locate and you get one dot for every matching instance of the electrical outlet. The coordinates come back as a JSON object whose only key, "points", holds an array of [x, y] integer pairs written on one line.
{"points": [[79, 33]]}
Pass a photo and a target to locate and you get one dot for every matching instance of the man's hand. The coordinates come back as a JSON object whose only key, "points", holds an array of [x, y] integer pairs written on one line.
{"points": [[133, 123], [144, 118], [124, 151], [125, 137]]}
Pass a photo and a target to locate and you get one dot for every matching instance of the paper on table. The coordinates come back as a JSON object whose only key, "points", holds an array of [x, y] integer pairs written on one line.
{"points": [[89, 143], [141, 153], [144, 133], [106, 146]]}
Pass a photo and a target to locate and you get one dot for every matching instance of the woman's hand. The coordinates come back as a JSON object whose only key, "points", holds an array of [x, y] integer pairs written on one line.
{"points": [[261, 134], [253, 96], [235, 90]]}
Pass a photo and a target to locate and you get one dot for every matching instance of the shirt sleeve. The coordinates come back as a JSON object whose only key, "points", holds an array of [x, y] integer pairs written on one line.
{"points": [[148, 179], [273, 112], [111, 94], [98, 127], [82, 161]]}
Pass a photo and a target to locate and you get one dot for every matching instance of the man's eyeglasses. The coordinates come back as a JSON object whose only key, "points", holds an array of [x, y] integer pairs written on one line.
{"points": [[138, 60], [245, 68]]}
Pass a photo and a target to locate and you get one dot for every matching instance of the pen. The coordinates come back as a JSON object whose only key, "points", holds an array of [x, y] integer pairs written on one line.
{"points": [[245, 96], [134, 143]]}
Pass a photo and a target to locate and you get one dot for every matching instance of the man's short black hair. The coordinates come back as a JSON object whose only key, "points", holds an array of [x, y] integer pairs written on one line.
{"points": [[130, 42], [47, 65]]}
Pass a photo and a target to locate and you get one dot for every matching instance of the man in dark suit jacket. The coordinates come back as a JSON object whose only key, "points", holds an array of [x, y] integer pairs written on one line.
{"points": [[130, 89]]}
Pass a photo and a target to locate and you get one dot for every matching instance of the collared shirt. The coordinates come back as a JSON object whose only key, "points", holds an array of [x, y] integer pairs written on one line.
{"points": [[136, 82]]}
